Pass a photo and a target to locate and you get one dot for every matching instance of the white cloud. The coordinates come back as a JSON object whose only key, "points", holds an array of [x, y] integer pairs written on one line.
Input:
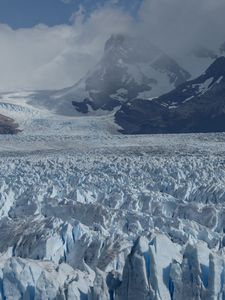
{"points": [[176, 25], [54, 57]]}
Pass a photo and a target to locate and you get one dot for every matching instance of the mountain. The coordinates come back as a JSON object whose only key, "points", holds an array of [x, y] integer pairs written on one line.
{"points": [[194, 106], [129, 68], [125, 71], [7, 125]]}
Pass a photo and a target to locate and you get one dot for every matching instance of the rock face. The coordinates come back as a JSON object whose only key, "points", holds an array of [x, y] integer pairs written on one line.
{"points": [[7, 125], [195, 106]]}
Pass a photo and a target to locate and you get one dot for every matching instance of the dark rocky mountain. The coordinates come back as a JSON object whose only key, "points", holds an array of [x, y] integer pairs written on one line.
{"points": [[8, 126], [129, 69], [194, 106]]}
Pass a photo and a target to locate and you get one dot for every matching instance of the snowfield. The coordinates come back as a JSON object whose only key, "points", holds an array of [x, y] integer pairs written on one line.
{"points": [[87, 213]]}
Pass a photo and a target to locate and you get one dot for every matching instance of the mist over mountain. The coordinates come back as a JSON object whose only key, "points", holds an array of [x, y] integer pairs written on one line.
{"points": [[125, 71]]}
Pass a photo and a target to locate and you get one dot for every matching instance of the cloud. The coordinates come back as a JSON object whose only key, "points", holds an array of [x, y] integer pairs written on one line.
{"points": [[176, 25], [66, 1], [45, 57]]}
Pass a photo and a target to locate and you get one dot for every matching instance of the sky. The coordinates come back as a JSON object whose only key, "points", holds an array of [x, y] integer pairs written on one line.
{"points": [[28, 13], [51, 44]]}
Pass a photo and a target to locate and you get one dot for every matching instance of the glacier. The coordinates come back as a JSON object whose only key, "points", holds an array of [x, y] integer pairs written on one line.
{"points": [[114, 222], [87, 213]]}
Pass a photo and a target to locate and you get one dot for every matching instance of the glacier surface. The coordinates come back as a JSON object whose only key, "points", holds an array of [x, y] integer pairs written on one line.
{"points": [[87, 213]]}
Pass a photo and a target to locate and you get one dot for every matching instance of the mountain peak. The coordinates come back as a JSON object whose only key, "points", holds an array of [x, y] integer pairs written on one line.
{"points": [[130, 67], [115, 41], [126, 47]]}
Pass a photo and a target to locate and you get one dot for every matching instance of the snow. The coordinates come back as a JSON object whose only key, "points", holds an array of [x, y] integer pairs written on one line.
{"points": [[80, 202], [187, 99], [121, 95], [219, 79], [162, 83], [204, 87]]}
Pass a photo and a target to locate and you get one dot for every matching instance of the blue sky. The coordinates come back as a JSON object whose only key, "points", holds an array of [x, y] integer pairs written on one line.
{"points": [[53, 57], [28, 13]]}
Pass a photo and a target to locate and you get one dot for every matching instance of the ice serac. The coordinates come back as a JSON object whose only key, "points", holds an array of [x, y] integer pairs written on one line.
{"points": [[194, 106], [159, 270], [146, 273], [135, 283], [155, 269], [199, 276], [115, 223], [29, 279], [99, 291]]}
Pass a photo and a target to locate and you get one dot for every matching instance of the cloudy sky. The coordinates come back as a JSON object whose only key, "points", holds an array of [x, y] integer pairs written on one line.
{"points": [[50, 44]]}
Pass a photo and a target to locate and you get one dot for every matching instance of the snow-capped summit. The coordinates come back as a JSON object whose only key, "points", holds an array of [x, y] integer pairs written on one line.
{"points": [[129, 68], [130, 50]]}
